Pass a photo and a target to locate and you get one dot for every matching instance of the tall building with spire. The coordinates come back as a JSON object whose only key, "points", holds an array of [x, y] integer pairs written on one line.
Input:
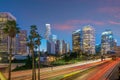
{"points": [[48, 32]]}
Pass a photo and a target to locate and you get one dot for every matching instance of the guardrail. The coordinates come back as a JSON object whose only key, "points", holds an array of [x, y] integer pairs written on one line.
{"points": [[2, 77]]}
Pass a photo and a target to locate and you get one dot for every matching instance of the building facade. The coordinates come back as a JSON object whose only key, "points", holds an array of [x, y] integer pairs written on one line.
{"points": [[53, 38], [21, 42], [48, 32], [88, 42], [61, 47], [77, 41], [57, 47], [68, 47], [43, 45], [107, 41], [5, 41]]}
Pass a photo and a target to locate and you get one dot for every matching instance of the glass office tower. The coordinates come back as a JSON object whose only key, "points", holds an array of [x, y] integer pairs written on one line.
{"points": [[77, 40], [88, 43], [107, 41]]}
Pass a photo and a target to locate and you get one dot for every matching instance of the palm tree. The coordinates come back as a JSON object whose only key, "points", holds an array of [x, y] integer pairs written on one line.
{"points": [[11, 30], [38, 46], [32, 44]]}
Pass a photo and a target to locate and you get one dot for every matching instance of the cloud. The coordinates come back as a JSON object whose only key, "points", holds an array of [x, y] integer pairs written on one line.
{"points": [[63, 27], [86, 22], [109, 9], [72, 24], [114, 22]]}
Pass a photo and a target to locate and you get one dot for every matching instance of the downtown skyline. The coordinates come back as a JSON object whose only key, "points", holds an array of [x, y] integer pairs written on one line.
{"points": [[66, 16]]}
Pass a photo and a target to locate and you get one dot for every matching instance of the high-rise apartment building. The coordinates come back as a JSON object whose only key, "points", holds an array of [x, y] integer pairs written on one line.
{"points": [[107, 41], [4, 44], [48, 32], [21, 42], [88, 42], [77, 40]]}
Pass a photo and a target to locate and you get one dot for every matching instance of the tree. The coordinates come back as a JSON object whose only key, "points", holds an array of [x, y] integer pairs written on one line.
{"points": [[11, 30], [31, 43], [38, 46], [28, 62]]}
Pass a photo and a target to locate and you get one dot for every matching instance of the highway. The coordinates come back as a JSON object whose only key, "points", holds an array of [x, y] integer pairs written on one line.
{"points": [[59, 74], [26, 74], [92, 70], [98, 72]]}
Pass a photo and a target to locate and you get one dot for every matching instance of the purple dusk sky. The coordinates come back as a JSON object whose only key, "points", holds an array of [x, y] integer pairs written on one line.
{"points": [[66, 16]]}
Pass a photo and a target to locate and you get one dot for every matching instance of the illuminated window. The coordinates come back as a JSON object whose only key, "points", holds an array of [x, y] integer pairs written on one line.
{"points": [[0, 19], [4, 19]]}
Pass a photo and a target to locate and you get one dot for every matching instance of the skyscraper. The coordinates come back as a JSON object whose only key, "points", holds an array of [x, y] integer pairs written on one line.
{"points": [[53, 38], [43, 45], [4, 45], [77, 40], [68, 47], [61, 47], [52, 47], [107, 41], [48, 31], [51, 44], [57, 46], [88, 43], [21, 42]]}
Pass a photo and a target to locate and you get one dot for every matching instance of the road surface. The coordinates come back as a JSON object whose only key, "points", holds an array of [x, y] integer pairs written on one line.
{"points": [[93, 70]]}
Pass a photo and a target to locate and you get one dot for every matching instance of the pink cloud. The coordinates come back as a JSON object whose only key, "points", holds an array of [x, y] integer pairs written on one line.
{"points": [[71, 24], [63, 27], [85, 22], [114, 23]]}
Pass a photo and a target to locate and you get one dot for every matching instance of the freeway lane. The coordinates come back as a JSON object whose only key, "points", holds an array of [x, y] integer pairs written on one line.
{"points": [[68, 72], [26, 74], [98, 72], [100, 75], [83, 74], [52, 74]]}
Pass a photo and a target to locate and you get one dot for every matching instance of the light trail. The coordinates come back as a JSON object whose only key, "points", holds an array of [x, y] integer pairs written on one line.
{"points": [[98, 73], [75, 70], [84, 72], [101, 72]]}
